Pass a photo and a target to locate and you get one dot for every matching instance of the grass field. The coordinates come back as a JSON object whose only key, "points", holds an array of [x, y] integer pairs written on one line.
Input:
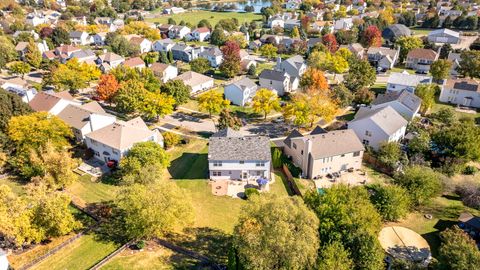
{"points": [[438, 105], [81, 254], [196, 16], [90, 191]]}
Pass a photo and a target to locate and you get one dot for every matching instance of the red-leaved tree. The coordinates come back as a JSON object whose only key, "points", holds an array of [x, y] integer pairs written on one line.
{"points": [[372, 37], [107, 87], [330, 42], [231, 59]]}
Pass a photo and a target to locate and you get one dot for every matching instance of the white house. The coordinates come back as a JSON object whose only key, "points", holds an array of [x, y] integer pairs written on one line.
{"points": [[173, 10], [99, 38], [276, 21], [241, 91], [112, 142], [383, 57], [80, 38], [51, 102], [86, 118], [462, 91], [213, 55], [85, 56], [178, 31], [20, 87], [196, 81], [400, 81], [109, 60], [134, 62], [143, 44], [275, 80], [164, 72], [444, 36], [404, 102], [455, 59], [4, 265], [295, 66], [375, 126], [199, 34], [343, 24], [232, 156], [163, 45]]}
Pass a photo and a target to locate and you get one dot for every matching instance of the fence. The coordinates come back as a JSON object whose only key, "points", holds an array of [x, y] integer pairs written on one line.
{"points": [[203, 259], [110, 256], [377, 165], [291, 181]]}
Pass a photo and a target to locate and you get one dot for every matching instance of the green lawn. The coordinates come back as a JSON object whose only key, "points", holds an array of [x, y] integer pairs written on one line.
{"points": [[92, 191], [81, 254], [438, 105], [379, 88], [196, 16]]}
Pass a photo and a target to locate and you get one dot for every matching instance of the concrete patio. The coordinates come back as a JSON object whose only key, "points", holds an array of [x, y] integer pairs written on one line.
{"points": [[94, 167], [355, 178], [235, 188]]}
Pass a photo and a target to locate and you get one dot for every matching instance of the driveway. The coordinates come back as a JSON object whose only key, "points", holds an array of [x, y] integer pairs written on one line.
{"points": [[191, 121]]}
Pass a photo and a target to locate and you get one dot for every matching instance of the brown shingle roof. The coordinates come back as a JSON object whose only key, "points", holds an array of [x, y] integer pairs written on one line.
{"points": [[422, 54], [134, 62], [44, 102], [463, 84]]}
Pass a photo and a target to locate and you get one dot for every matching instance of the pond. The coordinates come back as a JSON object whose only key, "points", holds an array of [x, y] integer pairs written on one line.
{"points": [[239, 6]]}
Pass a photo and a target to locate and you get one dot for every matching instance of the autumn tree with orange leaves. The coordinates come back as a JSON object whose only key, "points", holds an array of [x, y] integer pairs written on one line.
{"points": [[313, 80], [107, 87], [372, 37], [330, 41]]}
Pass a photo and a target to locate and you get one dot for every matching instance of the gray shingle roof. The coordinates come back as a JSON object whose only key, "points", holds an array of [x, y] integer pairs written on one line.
{"points": [[408, 79], [409, 100], [245, 83], [274, 75], [238, 148], [386, 118]]}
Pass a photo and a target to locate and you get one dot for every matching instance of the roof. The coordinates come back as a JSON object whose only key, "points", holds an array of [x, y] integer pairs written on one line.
{"points": [[83, 54], [386, 118], [295, 134], [202, 30], [15, 80], [67, 49], [110, 57], [180, 47], [165, 41], [193, 78], [318, 130], [22, 45], [136, 40], [397, 30], [159, 67], [46, 101], [239, 148], [76, 34], [470, 220], [404, 78], [270, 74], [383, 51], [463, 84], [444, 31], [213, 51], [93, 107], [134, 62], [244, 83], [409, 100], [122, 135], [295, 61], [421, 53], [77, 116]]}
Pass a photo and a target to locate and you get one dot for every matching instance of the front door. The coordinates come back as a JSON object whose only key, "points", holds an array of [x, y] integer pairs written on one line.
{"points": [[244, 175], [467, 101]]}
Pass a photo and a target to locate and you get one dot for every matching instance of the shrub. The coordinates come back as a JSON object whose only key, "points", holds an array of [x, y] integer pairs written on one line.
{"points": [[140, 244], [251, 192], [470, 170], [171, 139], [470, 194], [392, 202], [277, 158]]}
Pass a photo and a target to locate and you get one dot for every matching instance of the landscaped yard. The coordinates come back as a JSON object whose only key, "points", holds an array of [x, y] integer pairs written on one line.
{"points": [[81, 254], [438, 105], [89, 191], [213, 17]]}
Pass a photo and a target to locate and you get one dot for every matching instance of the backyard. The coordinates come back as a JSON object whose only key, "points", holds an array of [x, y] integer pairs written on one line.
{"points": [[439, 105], [213, 17]]}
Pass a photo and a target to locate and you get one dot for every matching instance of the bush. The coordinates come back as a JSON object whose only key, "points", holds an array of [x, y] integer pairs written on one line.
{"points": [[276, 158], [171, 139], [392, 202], [470, 194], [422, 183], [140, 244], [470, 170], [251, 192]]}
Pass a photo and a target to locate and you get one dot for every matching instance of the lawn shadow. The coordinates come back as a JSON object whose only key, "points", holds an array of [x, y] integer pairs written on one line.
{"points": [[451, 197], [204, 134], [189, 166], [433, 238]]}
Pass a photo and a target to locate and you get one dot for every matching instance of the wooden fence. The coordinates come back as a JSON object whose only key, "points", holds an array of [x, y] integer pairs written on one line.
{"points": [[291, 181], [377, 165]]}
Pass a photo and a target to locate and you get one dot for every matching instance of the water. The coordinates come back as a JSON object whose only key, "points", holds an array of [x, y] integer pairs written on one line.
{"points": [[240, 6]]}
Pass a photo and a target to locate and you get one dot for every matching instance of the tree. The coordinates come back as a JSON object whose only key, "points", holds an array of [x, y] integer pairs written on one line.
{"points": [[156, 104], [19, 67], [252, 70], [107, 87], [314, 80], [200, 65], [150, 58], [458, 250], [440, 69], [33, 55], [7, 51], [420, 144], [11, 105], [149, 211], [282, 229], [372, 37], [389, 154], [171, 139], [170, 56], [421, 183], [360, 74], [120, 45], [295, 33], [73, 75], [268, 51], [218, 37], [178, 90], [469, 65], [392, 202], [308, 109], [334, 256], [406, 44], [46, 32], [330, 42], [445, 50], [60, 36], [459, 140], [143, 155], [426, 92], [347, 216], [445, 116], [129, 97], [364, 96], [212, 102], [230, 65], [227, 120], [204, 23], [265, 101], [342, 95]]}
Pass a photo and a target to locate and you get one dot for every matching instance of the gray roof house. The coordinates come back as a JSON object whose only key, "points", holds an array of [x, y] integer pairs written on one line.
{"points": [[404, 102], [455, 59], [275, 80], [383, 57], [395, 31], [85, 56], [213, 55], [232, 156], [295, 66], [399, 81], [240, 92], [375, 126], [444, 36]]}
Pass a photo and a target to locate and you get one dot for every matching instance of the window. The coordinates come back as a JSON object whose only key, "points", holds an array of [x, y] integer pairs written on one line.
{"points": [[356, 154], [294, 146], [217, 164], [217, 173], [260, 164], [368, 133], [365, 142], [97, 153], [301, 152], [229, 172], [242, 161], [114, 152], [271, 82], [343, 155], [259, 173]]}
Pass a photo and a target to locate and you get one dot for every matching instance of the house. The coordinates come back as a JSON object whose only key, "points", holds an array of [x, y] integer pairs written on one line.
{"points": [[232, 156], [382, 57], [275, 21], [470, 223], [444, 36], [109, 60], [213, 55], [85, 56], [271, 39], [455, 59], [320, 152], [52, 103], [200, 34], [134, 62], [178, 31], [405, 103], [112, 24], [18, 86], [196, 81], [395, 31], [240, 92], [275, 80], [343, 24], [80, 38], [86, 118], [400, 81], [184, 52], [112, 142], [295, 66], [356, 49], [64, 52], [21, 49], [461, 91], [164, 29], [255, 45], [173, 10], [163, 45], [420, 59], [4, 265], [99, 38], [42, 46], [164, 72], [375, 126], [143, 44], [290, 24]]}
